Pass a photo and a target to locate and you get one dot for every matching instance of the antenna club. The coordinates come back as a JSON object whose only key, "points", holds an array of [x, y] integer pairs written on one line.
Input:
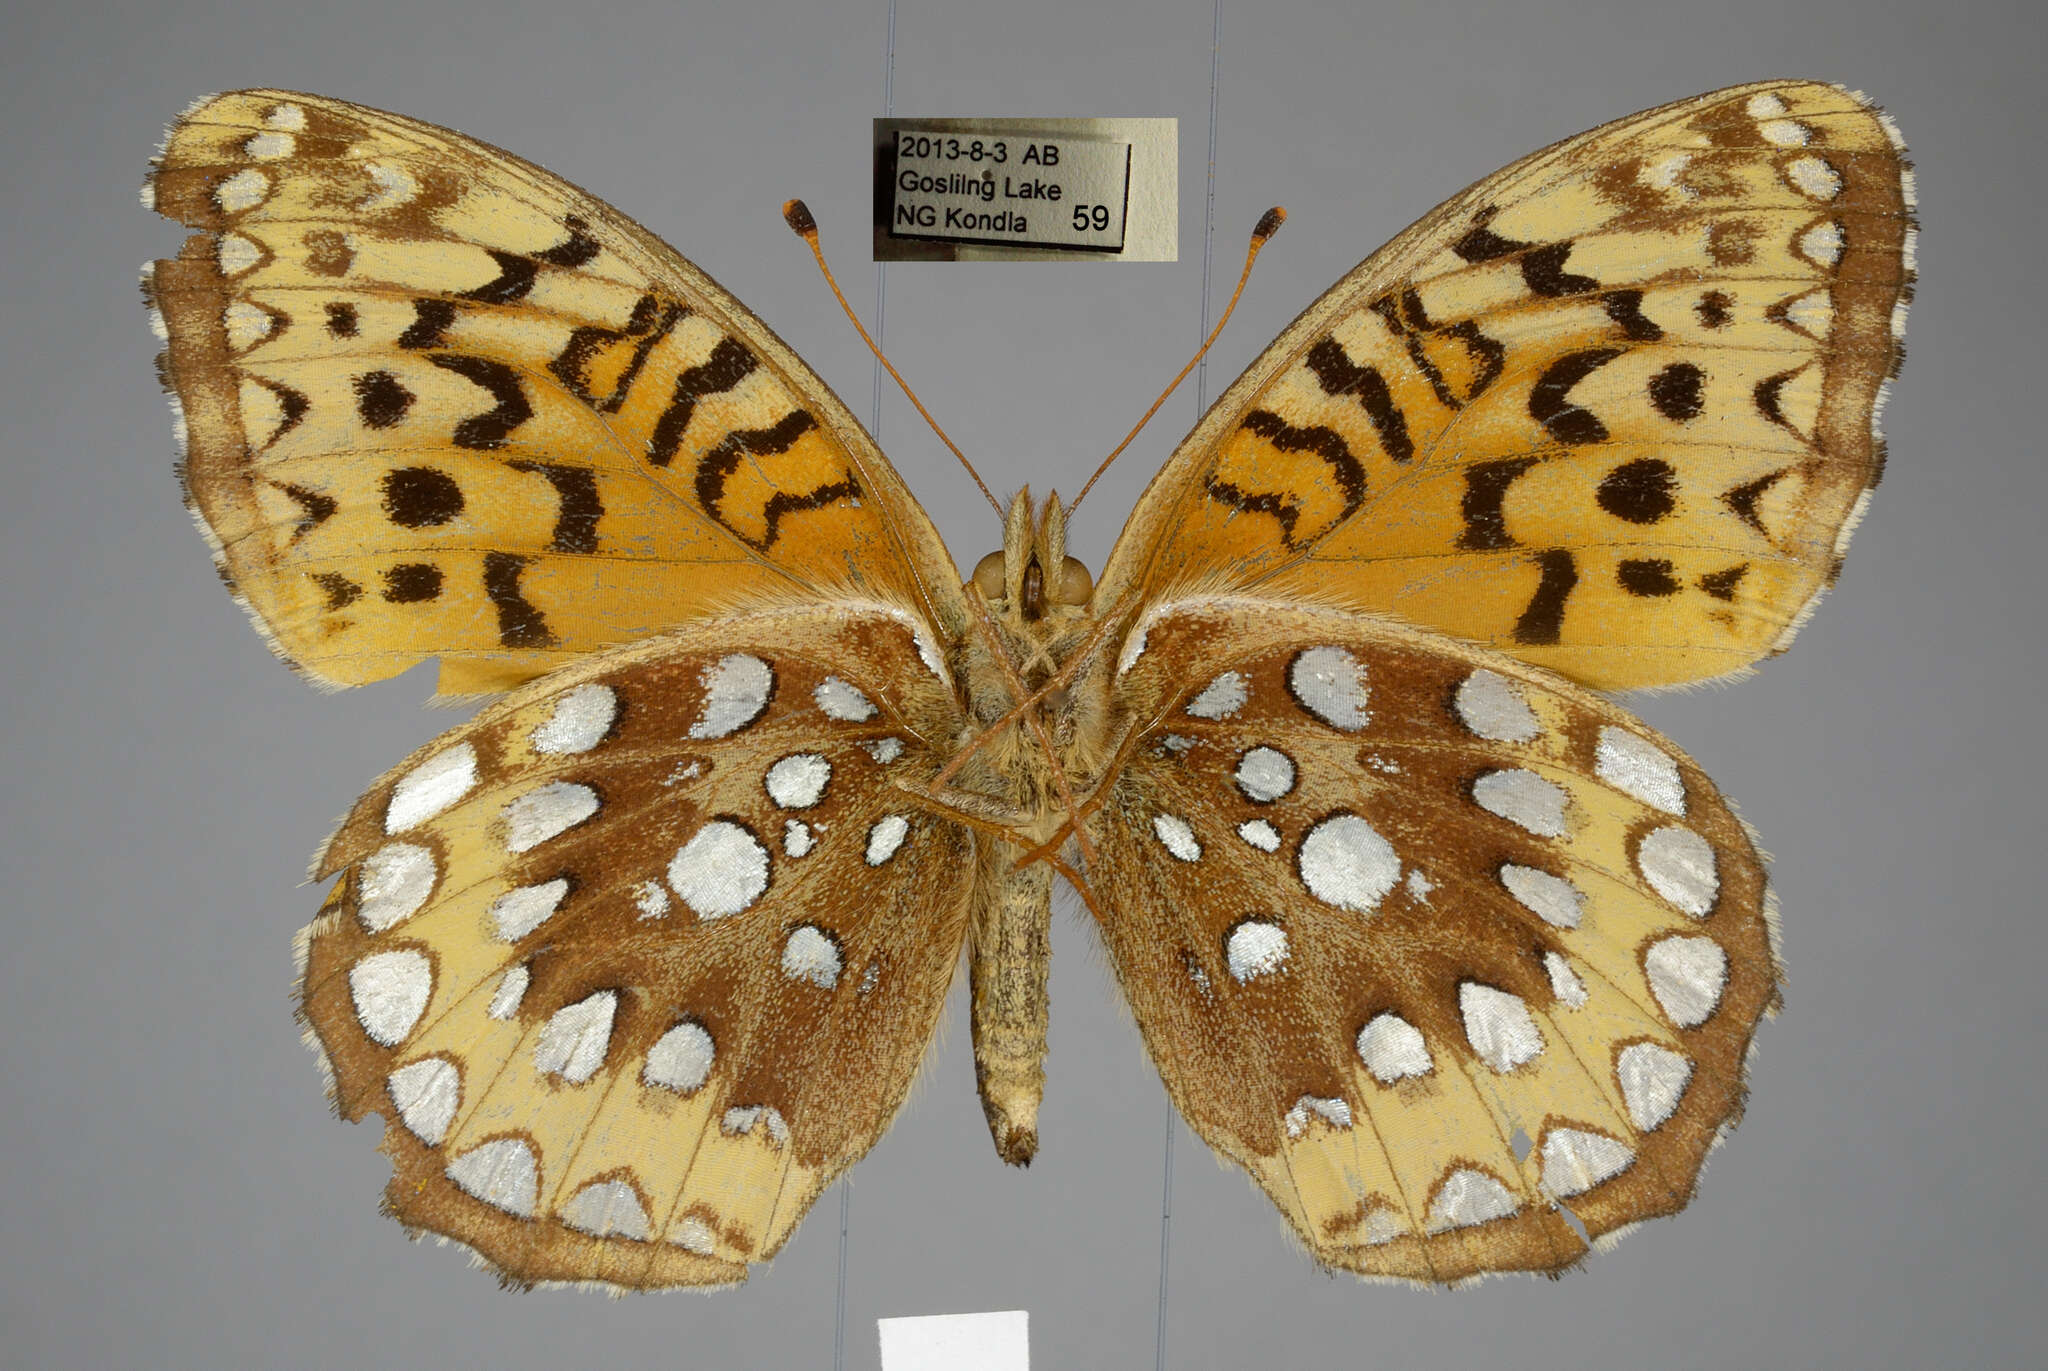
{"points": [[1269, 223], [797, 215]]}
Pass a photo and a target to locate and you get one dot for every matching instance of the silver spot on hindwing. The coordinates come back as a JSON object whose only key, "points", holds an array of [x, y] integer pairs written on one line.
{"points": [[1523, 798], [607, 1209], [887, 835], [431, 788], [502, 1173], [1491, 707], [579, 721], [1469, 1197], [1264, 774], [1255, 948], [680, 1059], [1680, 865], [1639, 768], [426, 1094], [1345, 862], [1498, 1026], [736, 690], [798, 781], [390, 991], [720, 871], [811, 954], [1392, 1049], [573, 1041], [1221, 698], [1575, 1161], [1653, 1081], [1329, 682], [392, 883], [1687, 975], [1176, 837]]}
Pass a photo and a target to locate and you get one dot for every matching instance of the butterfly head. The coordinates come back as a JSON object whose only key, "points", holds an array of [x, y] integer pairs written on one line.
{"points": [[1032, 578]]}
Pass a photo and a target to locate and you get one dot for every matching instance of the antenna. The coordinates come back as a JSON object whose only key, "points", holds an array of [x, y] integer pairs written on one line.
{"points": [[797, 215], [1268, 225]]}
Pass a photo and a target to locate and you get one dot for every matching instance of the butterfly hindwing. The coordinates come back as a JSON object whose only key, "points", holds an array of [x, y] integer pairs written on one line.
{"points": [[1382, 902], [439, 403], [1611, 410], [639, 959]]}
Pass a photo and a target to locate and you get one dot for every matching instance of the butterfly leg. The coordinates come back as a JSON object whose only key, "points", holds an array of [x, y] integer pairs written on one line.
{"points": [[1036, 724], [1058, 681], [1096, 798]]}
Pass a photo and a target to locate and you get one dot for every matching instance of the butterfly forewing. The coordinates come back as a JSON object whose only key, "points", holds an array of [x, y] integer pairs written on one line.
{"points": [[1611, 410], [439, 402], [642, 957], [1382, 903]]}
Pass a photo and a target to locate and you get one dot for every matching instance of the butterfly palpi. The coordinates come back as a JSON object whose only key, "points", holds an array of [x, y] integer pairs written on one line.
{"points": [[1457, 958]]}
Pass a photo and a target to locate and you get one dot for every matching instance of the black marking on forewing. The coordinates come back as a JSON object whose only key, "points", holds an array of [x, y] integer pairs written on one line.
{"points": [[291, 404], [1679, 391], [1486, 486], [328, 253], [729, 364], [1721, 584], [1713, 309], [1550, 403], [1339, 375], [1482, 244], [513, 281], [486, 431], [430, 324], [1490, 353], [1325, 443], [1642, 491], [580, 507], [1543, 270], [1237, 498], [341, 592], [1543, 621], [319, 508], [1767, 402], [421, 497], [519, 623], [579, 247], [412, 582], [1625, 307], [1647, 576], [649, 323], [1742, 499], [341, 319], [380, 400], [1410, 321], [721, 461]]}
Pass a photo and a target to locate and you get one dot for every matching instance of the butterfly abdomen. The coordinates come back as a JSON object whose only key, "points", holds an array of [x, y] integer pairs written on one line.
{"points": [[1011, 948]]}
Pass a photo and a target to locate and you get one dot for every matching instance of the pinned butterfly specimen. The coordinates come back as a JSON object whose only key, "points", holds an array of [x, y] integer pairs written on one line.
{"points": [[1433, 940]]}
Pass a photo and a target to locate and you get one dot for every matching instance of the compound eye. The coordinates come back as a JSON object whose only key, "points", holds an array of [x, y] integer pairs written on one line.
{"points": [[1075, 584], [988, 576]]}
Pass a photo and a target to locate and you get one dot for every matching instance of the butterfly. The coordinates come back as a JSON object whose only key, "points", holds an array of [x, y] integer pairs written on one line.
{"points": [[1457, 958]]}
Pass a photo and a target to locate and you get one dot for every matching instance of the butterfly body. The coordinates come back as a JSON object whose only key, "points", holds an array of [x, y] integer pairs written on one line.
{"points": [[1447, 950]]}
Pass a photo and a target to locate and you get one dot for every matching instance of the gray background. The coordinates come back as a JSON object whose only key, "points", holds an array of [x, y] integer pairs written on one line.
{"points": [[176, 1192]]}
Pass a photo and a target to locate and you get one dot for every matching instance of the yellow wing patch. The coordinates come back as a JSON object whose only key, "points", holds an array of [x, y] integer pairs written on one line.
{"points": [[1611, 410], [439, 403]]}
